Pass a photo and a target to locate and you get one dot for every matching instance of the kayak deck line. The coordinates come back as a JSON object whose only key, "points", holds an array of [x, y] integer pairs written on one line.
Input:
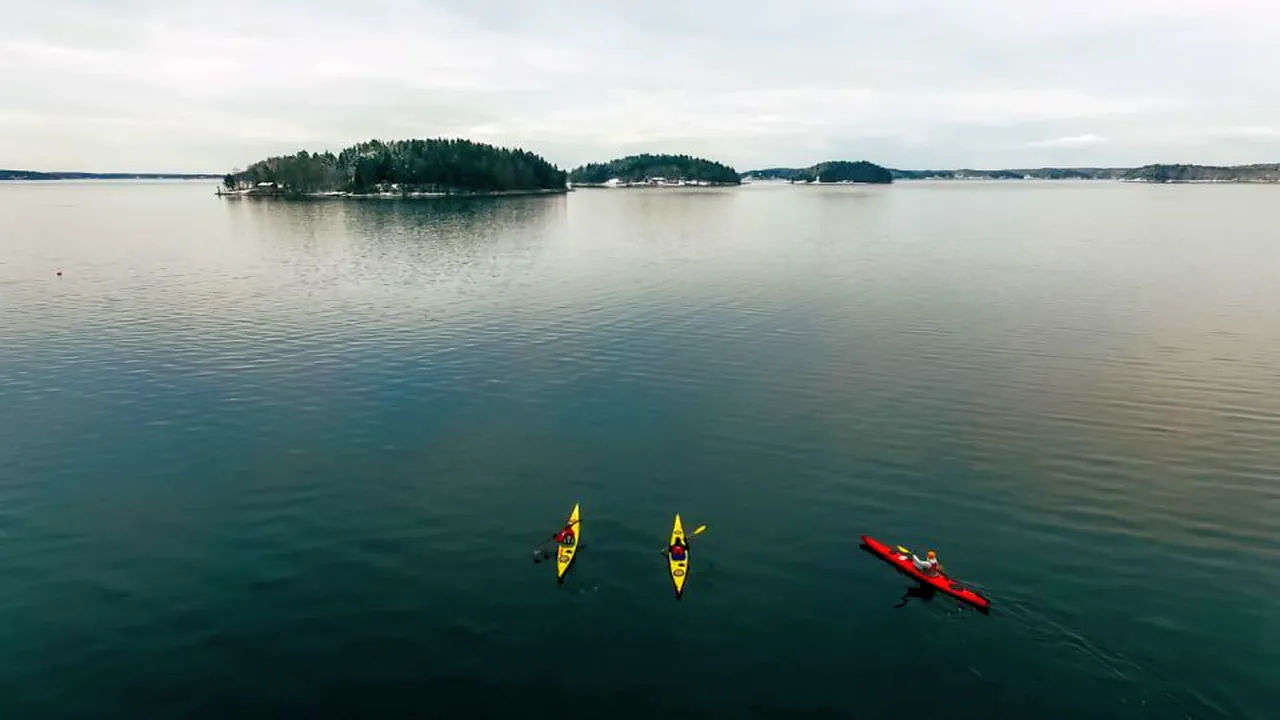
{"points": [[940, 582]]}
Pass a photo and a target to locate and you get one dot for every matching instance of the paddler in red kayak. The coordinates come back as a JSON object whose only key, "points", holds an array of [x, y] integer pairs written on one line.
{"points": [[929, 566]]}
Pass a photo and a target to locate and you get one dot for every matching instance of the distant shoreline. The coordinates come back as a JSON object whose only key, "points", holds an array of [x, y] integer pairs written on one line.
{"points": [[125, 177], [1127, 181], [255, 193], [51, 176], [651, 185], [1261, 174]]}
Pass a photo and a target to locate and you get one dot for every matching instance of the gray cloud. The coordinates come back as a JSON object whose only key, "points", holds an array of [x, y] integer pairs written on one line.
{"points": [[151, 85]]}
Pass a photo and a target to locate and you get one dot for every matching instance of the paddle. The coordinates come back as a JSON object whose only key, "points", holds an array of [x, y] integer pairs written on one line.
{"points": [[701, 529], [548, 554]]}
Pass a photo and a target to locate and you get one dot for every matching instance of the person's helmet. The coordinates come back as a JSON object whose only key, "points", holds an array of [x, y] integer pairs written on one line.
{"points": [[932, 555]]}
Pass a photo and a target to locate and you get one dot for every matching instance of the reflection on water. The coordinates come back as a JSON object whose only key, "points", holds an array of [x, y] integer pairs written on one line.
{"points": [[293, 456]]}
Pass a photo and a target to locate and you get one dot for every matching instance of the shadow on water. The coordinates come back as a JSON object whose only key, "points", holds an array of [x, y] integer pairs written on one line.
{"points": [[458, 212], [399, 243], [381, 220], [924, 594]]}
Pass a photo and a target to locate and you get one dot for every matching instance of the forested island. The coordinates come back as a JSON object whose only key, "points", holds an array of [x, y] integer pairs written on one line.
{"points": [[33, 175], [832, 171], [649, 169], [403, 168]]}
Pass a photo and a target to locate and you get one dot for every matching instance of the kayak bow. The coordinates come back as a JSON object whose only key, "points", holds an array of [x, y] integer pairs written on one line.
{"points": [[940, 582], [679, 568], [566, 553]]}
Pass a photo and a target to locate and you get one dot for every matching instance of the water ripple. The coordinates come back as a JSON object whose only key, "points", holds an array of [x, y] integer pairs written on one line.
{"points": [[277, 456]]}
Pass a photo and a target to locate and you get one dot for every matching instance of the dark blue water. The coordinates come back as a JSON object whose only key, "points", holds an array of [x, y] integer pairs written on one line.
{"points": [[291, 459]]}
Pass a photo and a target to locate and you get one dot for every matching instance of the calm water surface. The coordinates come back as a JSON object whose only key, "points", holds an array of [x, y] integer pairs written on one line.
{"points": [[291, 459]]}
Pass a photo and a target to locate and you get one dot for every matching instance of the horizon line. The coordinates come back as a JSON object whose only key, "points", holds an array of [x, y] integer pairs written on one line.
{"points": [[215, 175]]}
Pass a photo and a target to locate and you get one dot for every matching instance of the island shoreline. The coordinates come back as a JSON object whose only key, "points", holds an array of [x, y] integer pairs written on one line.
{"points": [[256, 194]]}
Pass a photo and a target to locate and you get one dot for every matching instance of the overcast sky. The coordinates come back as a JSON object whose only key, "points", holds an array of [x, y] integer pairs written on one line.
{"points": [[175, 85]]}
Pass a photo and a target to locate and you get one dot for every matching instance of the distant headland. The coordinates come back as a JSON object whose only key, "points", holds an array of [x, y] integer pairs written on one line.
{"points": [[654, 170], [33, 175], [832, 171], [866, 172], [1147, 173], [1268, 173], [401, 168]]}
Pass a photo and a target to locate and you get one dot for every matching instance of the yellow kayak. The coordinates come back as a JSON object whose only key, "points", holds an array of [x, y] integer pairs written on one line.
{"points": [[679, 567], [568, 549]]}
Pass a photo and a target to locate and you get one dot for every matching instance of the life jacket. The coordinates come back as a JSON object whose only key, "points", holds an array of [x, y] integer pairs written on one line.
{"points": [[926, 565]]}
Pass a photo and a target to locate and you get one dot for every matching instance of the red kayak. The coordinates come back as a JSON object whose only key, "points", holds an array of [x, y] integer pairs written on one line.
{"points": [[939, 582]]}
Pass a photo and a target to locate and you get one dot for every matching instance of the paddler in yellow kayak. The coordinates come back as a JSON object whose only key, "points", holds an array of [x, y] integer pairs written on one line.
{"points": [[677, 551], [566, 537]]}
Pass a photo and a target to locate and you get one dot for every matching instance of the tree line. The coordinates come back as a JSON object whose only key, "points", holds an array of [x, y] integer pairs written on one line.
{"points": [[1269, 173], [436, 165], [639, 168], [832, 171], [1046, 173], [34, 175]]}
